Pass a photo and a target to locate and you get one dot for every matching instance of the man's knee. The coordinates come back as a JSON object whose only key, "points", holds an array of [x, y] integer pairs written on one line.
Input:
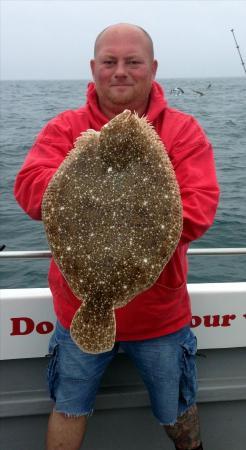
{"points": [[65, 431]]}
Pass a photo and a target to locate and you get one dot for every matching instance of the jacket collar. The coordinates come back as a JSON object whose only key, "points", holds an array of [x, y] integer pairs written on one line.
{"points": [[157, 104]]}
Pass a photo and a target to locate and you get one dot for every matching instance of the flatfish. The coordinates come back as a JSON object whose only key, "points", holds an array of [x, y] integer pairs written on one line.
{"points": [[113, 218]]}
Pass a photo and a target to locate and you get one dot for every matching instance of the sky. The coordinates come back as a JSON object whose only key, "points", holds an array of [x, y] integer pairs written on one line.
{"points": [[54, 39]]}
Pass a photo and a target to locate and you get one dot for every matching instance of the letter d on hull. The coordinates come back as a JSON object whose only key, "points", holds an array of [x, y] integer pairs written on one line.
{"points": [[22, 326]]}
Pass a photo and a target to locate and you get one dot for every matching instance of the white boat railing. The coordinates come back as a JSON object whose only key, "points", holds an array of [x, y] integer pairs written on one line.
{"points": [[32, 254]]}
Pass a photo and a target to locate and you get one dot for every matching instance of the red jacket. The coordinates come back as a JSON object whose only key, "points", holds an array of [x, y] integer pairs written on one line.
{"points": [[165, 307]]}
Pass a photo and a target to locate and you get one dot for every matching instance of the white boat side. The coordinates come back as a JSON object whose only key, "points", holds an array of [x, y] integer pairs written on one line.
{"points": [[27, 318]]}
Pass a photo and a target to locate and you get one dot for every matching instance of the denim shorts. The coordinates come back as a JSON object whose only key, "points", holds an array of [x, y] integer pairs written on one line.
{"points": [[166, 365]]}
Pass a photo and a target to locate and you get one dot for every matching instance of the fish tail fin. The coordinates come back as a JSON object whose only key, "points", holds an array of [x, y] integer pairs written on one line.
{"points": [[93, 333]]}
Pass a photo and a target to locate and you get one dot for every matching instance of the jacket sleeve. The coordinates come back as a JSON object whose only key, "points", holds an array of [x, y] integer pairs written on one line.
{"points": [[42, 161], [194, 165]]}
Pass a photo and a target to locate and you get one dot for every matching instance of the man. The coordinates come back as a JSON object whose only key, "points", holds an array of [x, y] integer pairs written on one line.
{"points": [[154, 327]]}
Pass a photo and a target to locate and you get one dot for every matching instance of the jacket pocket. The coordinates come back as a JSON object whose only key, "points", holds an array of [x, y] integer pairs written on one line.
{"points": [[167, 293], [52, 375], [188, 381]]}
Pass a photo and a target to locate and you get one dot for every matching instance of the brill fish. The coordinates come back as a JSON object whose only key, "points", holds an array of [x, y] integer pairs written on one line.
{"points": [[113, 218]]}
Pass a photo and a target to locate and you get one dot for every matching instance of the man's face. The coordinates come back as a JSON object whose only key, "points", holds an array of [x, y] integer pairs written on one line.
{"points": [[123, 69]]}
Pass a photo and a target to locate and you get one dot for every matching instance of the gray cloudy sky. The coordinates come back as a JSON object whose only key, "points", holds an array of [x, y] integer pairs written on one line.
{"points": [[53, 39]]}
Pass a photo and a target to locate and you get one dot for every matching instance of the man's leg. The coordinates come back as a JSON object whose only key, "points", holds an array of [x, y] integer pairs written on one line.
{"points": [[74, 378], [167, 366], [65, 432], [185, 433]]}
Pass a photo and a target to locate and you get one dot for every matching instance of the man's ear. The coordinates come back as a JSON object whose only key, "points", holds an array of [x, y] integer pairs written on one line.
{"points": [[154, 68], [92, 64]]}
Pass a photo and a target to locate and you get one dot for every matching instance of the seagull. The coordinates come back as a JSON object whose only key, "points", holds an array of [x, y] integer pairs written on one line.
{"points": [[177, 91], [198, 92]]}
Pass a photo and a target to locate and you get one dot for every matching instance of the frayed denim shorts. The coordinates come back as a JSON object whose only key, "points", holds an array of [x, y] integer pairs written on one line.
{"points": [[166, 365]]}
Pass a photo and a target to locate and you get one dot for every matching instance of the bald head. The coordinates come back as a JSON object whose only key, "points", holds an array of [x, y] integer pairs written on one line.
{"points": [[123, 29]]}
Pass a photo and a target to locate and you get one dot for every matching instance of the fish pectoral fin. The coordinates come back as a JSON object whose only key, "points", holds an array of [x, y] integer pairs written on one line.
{"points": [[93, 330]]}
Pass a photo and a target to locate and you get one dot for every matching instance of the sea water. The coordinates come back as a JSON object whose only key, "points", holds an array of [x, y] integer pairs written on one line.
{"points": [[26, 106]]}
